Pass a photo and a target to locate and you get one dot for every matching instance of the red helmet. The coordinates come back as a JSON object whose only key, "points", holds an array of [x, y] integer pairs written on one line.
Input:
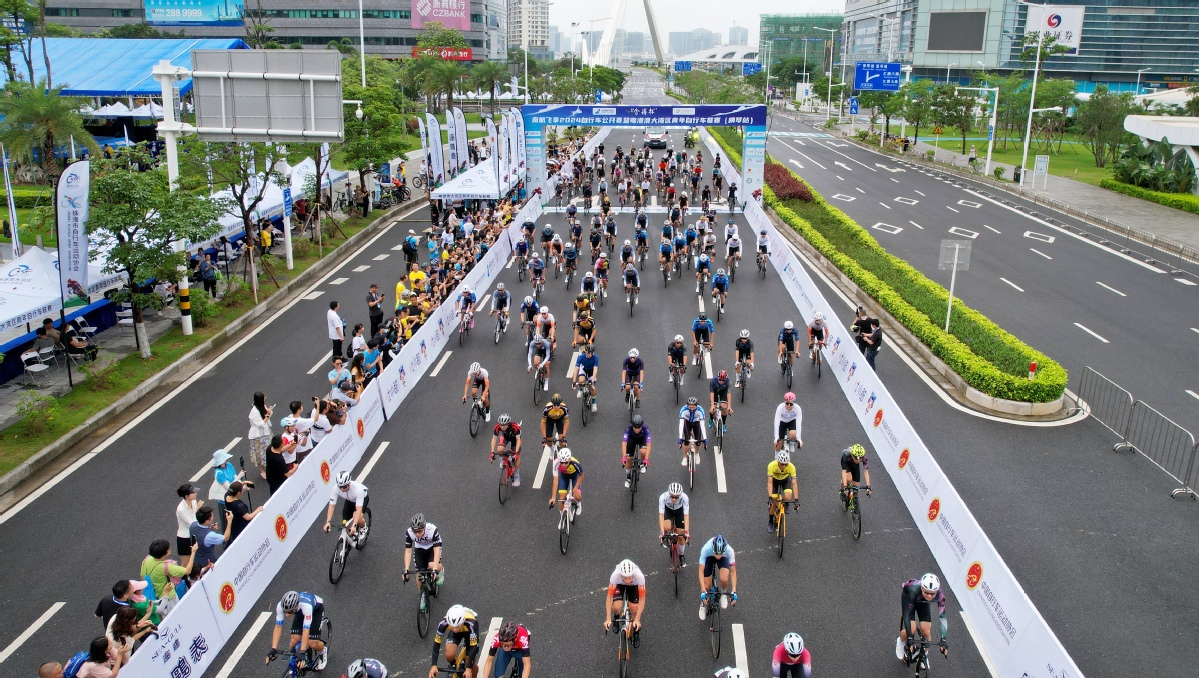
{"points": [[723, 375]]}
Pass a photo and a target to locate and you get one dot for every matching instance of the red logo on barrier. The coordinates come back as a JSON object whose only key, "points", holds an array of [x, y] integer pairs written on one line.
{"points": [[903, 458], [281, 527], [934, 509], [974, 575], [878, 417], [326, 472], [361, 429], [228, 598]]}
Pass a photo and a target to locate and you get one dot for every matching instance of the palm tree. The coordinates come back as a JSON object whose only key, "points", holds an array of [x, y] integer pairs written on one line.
{"points": [[36, 117], [443, 78], [345, 46], [487, 76]]}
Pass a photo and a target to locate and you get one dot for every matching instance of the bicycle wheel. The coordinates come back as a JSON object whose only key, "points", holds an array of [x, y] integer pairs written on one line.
{"points": [[632, 303], [855, 521], [423, 613], [718, 425], [691, 469], [365, 532], [326, 632], [677, 377], [715, 629], [520, 272], [622, 652], [476, 417], [733, 272], [337, 564], [744, 383], [564, 531], [585, 410], [781, 531], [503, 489], [790, 372], [676, 565], [719, 310], [633, 485], [537, 388], [462, 333], [499, 328], [632, 404], [819, 364]]}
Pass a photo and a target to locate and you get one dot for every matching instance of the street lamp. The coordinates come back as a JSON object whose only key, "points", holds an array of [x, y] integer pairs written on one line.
{"points": [[1032, 100], [947, 71], [907, 77], [361, 46], [591, 56], [1139, 79], [573, 32], [994, 114]]}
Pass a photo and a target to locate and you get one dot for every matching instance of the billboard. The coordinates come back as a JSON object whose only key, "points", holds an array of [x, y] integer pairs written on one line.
{"points": [[451, 13], [443, 53], [194, 12], [956, 31], [1057, 21]]}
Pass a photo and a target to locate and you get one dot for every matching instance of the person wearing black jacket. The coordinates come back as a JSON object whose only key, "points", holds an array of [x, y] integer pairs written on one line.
{"points": [[873, 342], [860, 328]]}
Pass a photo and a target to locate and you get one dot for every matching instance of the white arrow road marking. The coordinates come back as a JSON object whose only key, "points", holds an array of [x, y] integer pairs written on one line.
{"points": [[795, 162], [843, 166], [889, 169]]}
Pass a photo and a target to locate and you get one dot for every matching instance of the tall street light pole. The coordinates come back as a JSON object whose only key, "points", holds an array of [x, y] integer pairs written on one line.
{"points": [[591, 55], [994, 114], [1139, 80], [573, 26], [361, 44], [947, 72], [832, 32]]}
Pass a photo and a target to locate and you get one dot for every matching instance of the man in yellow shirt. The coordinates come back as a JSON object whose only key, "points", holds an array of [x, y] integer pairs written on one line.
{"points": [[416, 277], [780, 478]]}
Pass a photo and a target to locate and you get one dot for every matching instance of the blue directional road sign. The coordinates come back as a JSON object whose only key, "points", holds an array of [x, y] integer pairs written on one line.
{"points": [[287, 200], [682, 66], [599, 95], [853, 105], [750, 67], [877, 76]]}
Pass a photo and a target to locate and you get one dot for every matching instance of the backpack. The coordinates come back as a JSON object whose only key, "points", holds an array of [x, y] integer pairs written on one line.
{"points": [[409, 246], [71, 668]]}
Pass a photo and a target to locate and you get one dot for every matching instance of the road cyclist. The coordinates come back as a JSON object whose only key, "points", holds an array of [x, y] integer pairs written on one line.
{"points": [[917, 598], [459, 629], [702, 335], [423, 548], [505, 438], [636, 440], [307, 611], [718, 397], [568, 477], [626, 584], [587, 372], [511, 644], [788, 421], [366, 668], [478, 385], [717, 558], [791, 659], [352, 511], [500, 302], [854, 467], [743, 349], [781, 483], [691, 427], [674, 515]]}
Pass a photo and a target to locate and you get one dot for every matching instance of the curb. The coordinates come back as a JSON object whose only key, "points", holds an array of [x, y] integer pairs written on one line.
{"points": [[9, 481]]}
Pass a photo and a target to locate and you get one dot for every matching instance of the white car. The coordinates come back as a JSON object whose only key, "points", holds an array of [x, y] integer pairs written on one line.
{"points": [[655, 137]]}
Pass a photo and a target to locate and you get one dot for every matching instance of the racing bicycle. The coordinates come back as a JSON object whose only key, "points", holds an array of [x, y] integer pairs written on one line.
{"points": [[341, 550], [429, 589]]}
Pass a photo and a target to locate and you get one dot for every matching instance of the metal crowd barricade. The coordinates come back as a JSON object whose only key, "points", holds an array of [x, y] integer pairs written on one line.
{"points": [[1108, 403], [1169, 446]]}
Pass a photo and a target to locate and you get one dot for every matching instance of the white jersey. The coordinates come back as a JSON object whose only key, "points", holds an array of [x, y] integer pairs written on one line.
{"points": [[665, 502], [638, 578], [426, 541], [764, 242], [733, 243], [481, 377], [355, 493], [730, 231], [782, 415]]}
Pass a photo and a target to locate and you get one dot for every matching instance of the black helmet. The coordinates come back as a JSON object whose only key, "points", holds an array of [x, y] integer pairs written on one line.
{"points": [[509, 631], [637, 421]]}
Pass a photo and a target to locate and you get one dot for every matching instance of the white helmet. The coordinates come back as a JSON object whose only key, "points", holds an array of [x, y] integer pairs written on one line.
{"points": [[455, 616], [628, 242], [589, 275], [633, 353], [627, 568], [545, 310], [538, 338], [793, 642], [528, 299], [930, 582], [788, 325], [678, 337], [466, 289], [343, 478], [603, 255], [675, 489], [563, 455], [783, 457], [475, 367], [818, 317], [557, 238], [731, 673], [745, 334], [358, 670], [535, 255]]}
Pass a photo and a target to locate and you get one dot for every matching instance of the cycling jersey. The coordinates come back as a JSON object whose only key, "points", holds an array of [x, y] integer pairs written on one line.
{"points": [[616, 584], [469, 632], [538, 266], [626, 252], [666, 249], [779, 472], [852, 466], [691, 424], [640, 235], [354, 494], [520, 645], [788, 420], [733, 244], [744, 347], [465, 300], [430, 539], [701, 325], [541, 348], [915, 607], [641, 438], [709, 551], [596, 236], [547, 234], [587, 363], [570, 469], [691, 234], [633, 366], [479, 378], [310, 605], [571, 211], [632, 277], [601, 268], [687, 415], [555, 412], [667, 231], [500, 299], [642, 220], [680, 242], [665, 502], [530, 309], [817, 331], [587, 286], [677, 353], [374, 668], [786, 666], [788, 337], [586, 325], [721, 282], [522, 247], [703, 263], [764, 244], [510, 436], [610, 226], [718, 389], [545, 322], [571, 254]]}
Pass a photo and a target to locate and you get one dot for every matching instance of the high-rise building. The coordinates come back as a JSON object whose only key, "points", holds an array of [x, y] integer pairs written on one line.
{"points": [[686, 42], [555, 41], [387, 24], [637, 42], [529, 23], [738, 35], [791, 35]]}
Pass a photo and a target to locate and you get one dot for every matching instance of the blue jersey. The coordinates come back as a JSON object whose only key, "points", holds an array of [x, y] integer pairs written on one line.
{"points": [[466, 299], [576, 229], [570, 254], [708, 551], [500, 299], [537, 264], [642, 220], [720, 280], [530, 308], [633, 366], [702, 263], [522, 247], [587, 364], [640, 235], [788, 334], [666, 249], [308, 604], [572, 210], [680, 243], [691, 234], [667, 231], [687, 415], [701, 325]]}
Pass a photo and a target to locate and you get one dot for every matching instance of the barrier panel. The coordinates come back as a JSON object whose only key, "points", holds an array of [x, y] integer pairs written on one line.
{"points": [[1011, 632], [1169, 446], [1107, 402]]}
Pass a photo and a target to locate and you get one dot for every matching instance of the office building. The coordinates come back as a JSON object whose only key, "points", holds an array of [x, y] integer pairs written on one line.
{"points": [[387, 24], [738, 35], [686, 42], [555, 41], [797, 35], [529, 24]]}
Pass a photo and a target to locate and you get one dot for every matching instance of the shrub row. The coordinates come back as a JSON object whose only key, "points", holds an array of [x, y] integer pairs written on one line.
{"points": [[26, 197], [786, 186], [987, 357], [1182, 201]]}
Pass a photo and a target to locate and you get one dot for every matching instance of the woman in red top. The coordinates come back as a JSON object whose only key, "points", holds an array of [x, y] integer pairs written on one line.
{"points": [[791, 658]]}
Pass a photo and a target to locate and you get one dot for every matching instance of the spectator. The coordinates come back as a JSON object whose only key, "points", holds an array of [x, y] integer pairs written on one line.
{"points": [[338, 374], [346, 397], [320, 422], [337, 327], [242, 515], [277, 469], [410, 247], [860, 327], [358, 343], [110, 605], [374, 305], [54, 334], [303, 426], [125, 629], [103, 661], [185, 515], [146, 608], [208, 538], [260, 429], [164, 574], [49, 669], [78, 345], [372, 358], [874, 341], [223, 475], [208, 273], [284, 445]]}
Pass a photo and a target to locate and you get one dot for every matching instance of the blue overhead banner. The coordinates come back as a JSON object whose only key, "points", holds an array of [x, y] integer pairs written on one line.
{"points": [[750, 67], [682, 66], [194, 12], [627, 115], [876, 76]]}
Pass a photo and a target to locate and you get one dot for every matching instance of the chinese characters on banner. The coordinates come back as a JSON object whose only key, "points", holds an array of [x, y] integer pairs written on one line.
{"points": [[443, 53], [435, 152], [71, 203], [1064, 23], [451, 13]]}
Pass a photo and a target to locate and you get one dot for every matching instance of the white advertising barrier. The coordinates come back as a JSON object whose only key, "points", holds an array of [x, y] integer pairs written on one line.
{"points": [[187, 642], [1014, 636]]}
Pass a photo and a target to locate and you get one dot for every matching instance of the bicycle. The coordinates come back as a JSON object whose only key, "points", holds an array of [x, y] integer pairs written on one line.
{"points": [[642, 250], [780, 518], [719, 427], [501, 325], [341, 550], [817, 360], [626, 638], [566, 516], [465, 321], [715, 630], [539, 377], [719, 306], [540, 286], [632, 301], [762, 265], [849, 504], [418, 181], [460, 666], [731, 263], [589, 401], [293, 669], [920, 657], [571, 267], [429, 588], [672, 539], [477, 415], [676, 373], [638, 464], [631, 397], [705, 349], [743, 379], [522, 267], [786, 367], [507, 472], [692, 453]]}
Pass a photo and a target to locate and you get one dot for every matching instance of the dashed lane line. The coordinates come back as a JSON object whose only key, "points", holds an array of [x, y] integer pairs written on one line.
{"points": [[952, 209], [739, 654], [440, 364], [322, 362], [1041, 253], [541, 467], [313, 295], [28, 633], [1110, 288], [1091, 332], [922, 195], [915, 224], [1018, 288], [993, 230], [1192, 394], [370, 465], [359, 269], [338, 281]]}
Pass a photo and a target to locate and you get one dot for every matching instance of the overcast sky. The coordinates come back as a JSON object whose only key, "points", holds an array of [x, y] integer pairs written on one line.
{"points": [[685, 15]]}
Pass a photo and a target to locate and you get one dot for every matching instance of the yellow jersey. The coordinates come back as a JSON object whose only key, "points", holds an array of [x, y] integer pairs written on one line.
{"points": [[780, 472]]}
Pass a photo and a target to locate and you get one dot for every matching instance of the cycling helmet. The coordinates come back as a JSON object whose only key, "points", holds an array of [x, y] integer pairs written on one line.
{"points": [[588, 275], [633, 353], [505, 419], [678, 338], [537, 338], [455, 616], [720, 271], [564, 455], [722, 375], [930, 583], [793, 644], [603, 255], [731, 221], [857, 451], [719, 545], [509, 631], [762, 232], [475, 367], [290, 602], [674, 489], [627, 242], [818, 317], [788, 325], [417, 523], [535, 255], [703, 316], [557, 238], [692, 401], [589, 348], [570, 245], [783, 458], [499, 287], [358, 669], [627, 568], [789, 397], [581, 297], [343, 478], [637, 421], [288, 421], [745, 334], [528, 299], [703, 257], [545, 310], [556, 399]]}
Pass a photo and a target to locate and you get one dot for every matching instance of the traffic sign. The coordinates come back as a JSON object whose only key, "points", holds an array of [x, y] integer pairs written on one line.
{"points": [[1042, 166], [750, 67], [853, 105], [287, 201], [937, 129], [878, 76], [599, 96], [682, 66]]}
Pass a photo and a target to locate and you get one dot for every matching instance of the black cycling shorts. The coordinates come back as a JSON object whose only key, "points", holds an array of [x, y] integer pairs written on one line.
{"points": [[554, 425], [784, 428], [630, 593], [777, 486], [347, 507], [422, 557], [701, 336], [691, 429], [674, 516], [314, 629], [854, 470], [922, 611]]}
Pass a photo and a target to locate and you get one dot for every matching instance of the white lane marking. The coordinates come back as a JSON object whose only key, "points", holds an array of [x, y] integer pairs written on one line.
{"points": [[1088, 330], [849, 158], [33, 628], [380, 257], [843, 166], [951, 209], [1109, 287], [440, 363], [887, 228], [894, 179], [1018, 288], [915, 224], [208, 466], [974, 636], [906, 200], [1184, 281], [541, 467], [370, 465], [845, 198], [1192, 394], [884, 204], [246, 641], [859, 190], [493, 630], [361, 268], [814, 162], [921, 194], [313, 295], [322, 362], [338, 281], [1039, 236], [510, 262], [795, 162], [718, 459], [46, 487], [969, 203], [1041, 253], [398, 248], [701, 303], [990, 229], [964, 232], [1195, 330], [739, 654], [570, 369], [483, 302], [840, 177]]}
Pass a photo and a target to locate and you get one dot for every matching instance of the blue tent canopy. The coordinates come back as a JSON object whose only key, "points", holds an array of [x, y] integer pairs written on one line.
{"points": [[110, 67]]}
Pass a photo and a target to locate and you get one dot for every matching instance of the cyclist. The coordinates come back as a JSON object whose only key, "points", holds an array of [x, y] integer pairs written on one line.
{"points": [[703, 268], [459, 626], [464, 306], [718, 394], [817, 332], [570, 258], [691, 418], [916, 605], [709, 244], [569, 472], [743, 347], [683, 205], [632, 282], [505, 437], [791, 659], [610, 230], [528, 229], [555, 418], [763, 244], [529, 309], [627, 584], [539, 354], [691, 235], [596, 238], [635, 436], [478, 384], [547, 326], [668, 230], [510, 644], [665, 251], [626, 253], [717, 555], [572, 211], [367, 668], [587, 369], [730, 231], [674, 515], [536, 270], [422, 548], [584, 329], [642, 223], [307, 611], [547, 236], [522, 251], [720, 286], [633, 375], [733, 251], [555, 250], [788, 419], [576, 229], [641, 235], [601, 272], [853, 466], [682, 252], [356, 498], [780, 477], [702, 333], [788, 338], [583, 302], [730, 672], [676, 355], [500, 301]]}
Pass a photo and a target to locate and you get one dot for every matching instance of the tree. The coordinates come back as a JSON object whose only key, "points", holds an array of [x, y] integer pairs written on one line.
{"points": [[15, 13], [258, 30], [54, 30], [379, 135], [1192, 105], [435, 34], [487, 76], [954, 109], [136, 31], [1100, 120], [39, 118], [443, 78], [917, 103], [874, 100], [820, 87], [137, 219], [345, 46], [1054, 92]]}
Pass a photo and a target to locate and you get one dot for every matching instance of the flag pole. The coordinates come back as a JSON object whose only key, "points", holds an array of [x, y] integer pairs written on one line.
{"points": [[62, 310]]}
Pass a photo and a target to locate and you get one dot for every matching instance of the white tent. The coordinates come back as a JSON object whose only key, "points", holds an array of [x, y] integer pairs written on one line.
{"points": [[28, 289], [476, 183], [115, 110], [150, 111]]}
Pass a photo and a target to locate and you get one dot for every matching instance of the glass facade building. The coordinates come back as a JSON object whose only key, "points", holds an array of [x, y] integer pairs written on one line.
{"points": [[790, 34]]}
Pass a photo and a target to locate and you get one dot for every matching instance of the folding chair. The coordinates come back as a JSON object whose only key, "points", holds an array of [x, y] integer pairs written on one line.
{"points": [[33, 365], [48, 354]]}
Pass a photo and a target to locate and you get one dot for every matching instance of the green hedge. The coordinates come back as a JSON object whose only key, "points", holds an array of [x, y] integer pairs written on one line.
{"points": [[26, 197], [986, 356], [1182, 201]]}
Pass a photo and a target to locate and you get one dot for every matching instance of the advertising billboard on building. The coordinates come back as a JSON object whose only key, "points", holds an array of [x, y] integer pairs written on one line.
{"points": [[451, 13], [194, 12]]}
